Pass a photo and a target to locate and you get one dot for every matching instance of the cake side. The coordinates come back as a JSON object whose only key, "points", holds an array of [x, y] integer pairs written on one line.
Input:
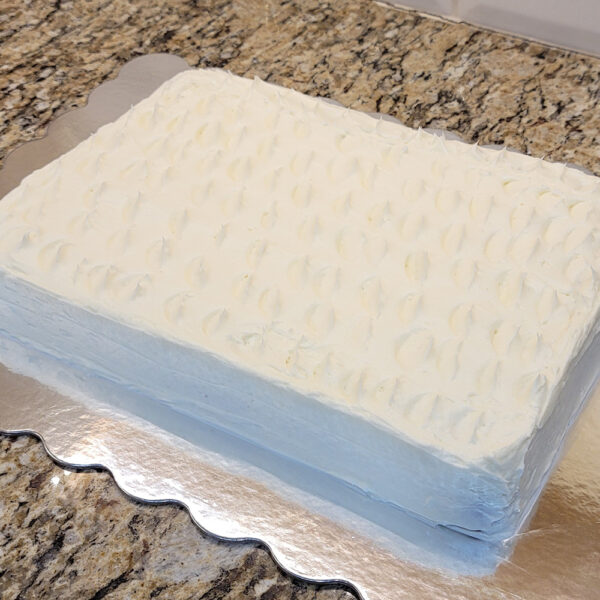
{"points": [[372, 460], [437, 289], [548, 443]]}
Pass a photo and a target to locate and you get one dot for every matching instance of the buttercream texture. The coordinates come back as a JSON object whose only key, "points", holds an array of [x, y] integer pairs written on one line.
{"points": [[435, 288]]}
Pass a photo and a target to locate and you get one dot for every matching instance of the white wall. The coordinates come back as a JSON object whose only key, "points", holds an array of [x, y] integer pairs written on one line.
{"points": [[569, 23]]}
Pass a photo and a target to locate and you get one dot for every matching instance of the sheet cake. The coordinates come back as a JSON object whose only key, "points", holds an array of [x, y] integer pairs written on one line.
{"points": [[414, 316]]}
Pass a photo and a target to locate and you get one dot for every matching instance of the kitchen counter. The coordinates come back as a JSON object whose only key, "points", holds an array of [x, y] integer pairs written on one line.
{"points": [[487, 87], [74, 534]]}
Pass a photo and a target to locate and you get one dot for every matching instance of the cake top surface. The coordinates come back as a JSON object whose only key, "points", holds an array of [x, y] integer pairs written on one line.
{"points": [[433, 287]]}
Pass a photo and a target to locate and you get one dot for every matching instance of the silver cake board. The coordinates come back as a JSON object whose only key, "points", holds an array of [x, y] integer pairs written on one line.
{"points": [[310, 536]]}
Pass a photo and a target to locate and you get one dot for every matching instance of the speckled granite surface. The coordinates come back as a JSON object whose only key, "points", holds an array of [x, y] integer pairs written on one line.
{"points": [[77, 536], [488, 87], [74, 535]]}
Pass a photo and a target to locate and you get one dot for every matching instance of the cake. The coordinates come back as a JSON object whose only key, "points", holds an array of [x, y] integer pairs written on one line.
{"points": [[413, 316]]}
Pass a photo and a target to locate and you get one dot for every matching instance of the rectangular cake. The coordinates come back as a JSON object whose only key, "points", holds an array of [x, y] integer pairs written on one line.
{"points": [[415, 317]]}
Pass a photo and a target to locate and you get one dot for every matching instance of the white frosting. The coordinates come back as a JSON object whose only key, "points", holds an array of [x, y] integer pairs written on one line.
{"points": [[435, 288]]}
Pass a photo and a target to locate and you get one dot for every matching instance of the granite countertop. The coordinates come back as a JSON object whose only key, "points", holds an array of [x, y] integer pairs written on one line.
{"points": [[74, 534], [67, 534]]}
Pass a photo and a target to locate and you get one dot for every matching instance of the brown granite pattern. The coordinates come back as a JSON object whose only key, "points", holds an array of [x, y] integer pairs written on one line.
{"points": [[66, 534], [75, 535], [488, 87]]}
